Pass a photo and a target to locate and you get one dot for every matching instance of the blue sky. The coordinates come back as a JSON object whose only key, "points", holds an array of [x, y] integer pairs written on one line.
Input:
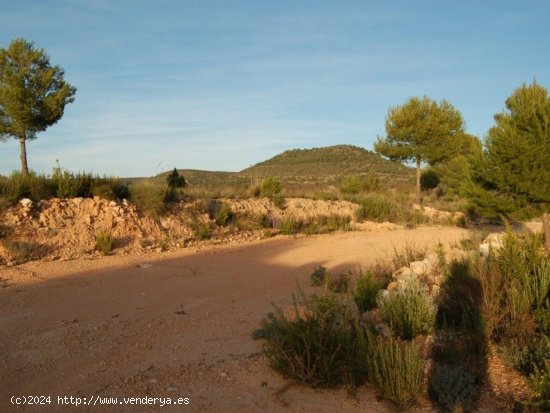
{"points": [[221, 85]]}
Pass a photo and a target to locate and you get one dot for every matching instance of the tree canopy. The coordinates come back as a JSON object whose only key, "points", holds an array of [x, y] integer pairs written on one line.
{"points": [[513, 171], [421, 130], [33, 94]]}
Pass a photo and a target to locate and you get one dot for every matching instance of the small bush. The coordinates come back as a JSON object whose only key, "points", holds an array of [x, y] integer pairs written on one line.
{"points": [[408, 311], [289, 226], [540, 383], [251, 222], [318, 348], [21, 251], [429, 179], [319, 276], [104, 242], [376, 208], [224, 215], [366, 291], [452, 387], [270, 187], [396, 369], [525, 356], [202, 232], [351, 184], [409, 254], [340, 283], [325, 224], [149, 199], [278, 200]]}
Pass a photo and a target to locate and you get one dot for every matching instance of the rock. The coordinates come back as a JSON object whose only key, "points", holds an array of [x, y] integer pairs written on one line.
{"points": [[484, 249], [26, 202], [418, 267], [494, 242], [144, 265]]}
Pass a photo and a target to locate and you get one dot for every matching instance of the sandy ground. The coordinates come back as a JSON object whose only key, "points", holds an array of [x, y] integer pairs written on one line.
{"points": [[174, 325]]}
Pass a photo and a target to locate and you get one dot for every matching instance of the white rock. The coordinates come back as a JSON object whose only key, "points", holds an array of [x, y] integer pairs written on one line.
{"points": [[495, 240], [418, 267], [484, 249], [26, 202]]}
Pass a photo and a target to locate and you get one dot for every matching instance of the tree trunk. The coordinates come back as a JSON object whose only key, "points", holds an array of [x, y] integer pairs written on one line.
{"points": [[546, 229], [418, 197], [24, 166]]}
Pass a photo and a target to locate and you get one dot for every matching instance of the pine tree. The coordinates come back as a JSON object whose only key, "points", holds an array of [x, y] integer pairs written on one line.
{"points": [[514, 170], [421, 130], [33, 94]]}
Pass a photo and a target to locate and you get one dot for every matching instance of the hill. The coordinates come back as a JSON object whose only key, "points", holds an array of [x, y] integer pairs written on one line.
{"points": [[329, 165], [302, 167]]}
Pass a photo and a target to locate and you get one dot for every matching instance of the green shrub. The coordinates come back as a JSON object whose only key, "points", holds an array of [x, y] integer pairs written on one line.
{"points": [[224, 215], [148, 199], [270, 187], [376, 208], [366, 291], [429, 179], [396, 370], [251, 222], [71, 185], [35, 187], [525, 356], [21, 251], [104, 242], [351, 184], [540, 383], [319, 347], [516, 287], [325, 224], [202, 232], [319, 276], [340, 283], [289, 226], [278, 200], [408, 311], [453, 387]]}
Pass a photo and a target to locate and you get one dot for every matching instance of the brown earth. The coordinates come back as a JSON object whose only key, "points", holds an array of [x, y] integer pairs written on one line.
{"points": [[65, 229], [176, 324]]}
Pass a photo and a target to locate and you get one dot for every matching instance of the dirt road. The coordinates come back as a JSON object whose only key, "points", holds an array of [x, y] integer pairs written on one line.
{"points": [[173, 325]]}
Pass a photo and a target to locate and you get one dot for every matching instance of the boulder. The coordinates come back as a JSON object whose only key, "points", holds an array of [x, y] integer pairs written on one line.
{"points": [[26, 202], [419, 267]]}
